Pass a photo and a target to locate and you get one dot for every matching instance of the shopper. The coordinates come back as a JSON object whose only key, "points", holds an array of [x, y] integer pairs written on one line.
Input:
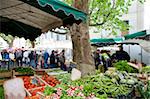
{"points": [[52, 59], [121, 55], [46, 56], [62, 60], [97, 58]]}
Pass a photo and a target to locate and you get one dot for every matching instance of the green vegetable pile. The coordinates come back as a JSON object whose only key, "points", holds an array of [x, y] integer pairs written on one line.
{"points": [[3, 70], [145, 91], [26, 70], [146, 69], [2, 92], [101, 85], [123, 66]]}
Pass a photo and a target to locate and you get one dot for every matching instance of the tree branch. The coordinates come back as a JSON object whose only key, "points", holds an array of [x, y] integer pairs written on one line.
{"points": [[105, 19]]}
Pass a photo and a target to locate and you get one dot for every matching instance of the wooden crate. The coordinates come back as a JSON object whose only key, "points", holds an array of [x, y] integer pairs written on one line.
{"points": [[42, 80], [27, 92], [6, 74], [21, 74], [40, 94], [2, 81], [40, 72]]}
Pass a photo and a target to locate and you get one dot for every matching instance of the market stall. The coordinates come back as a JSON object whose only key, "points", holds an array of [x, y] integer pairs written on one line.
{"points": [[28, 19], [123, 80]]}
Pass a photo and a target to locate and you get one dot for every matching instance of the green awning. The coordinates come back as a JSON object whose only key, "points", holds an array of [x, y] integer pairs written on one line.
{"points": [[118, 39], [106, 40], [59, 5], [135, 35], [30, 18], [57, 8]]}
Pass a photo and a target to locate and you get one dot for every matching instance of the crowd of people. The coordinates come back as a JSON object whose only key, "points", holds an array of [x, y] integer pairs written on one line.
{"points": [[36, 59], [104, 57], [55, 59]]}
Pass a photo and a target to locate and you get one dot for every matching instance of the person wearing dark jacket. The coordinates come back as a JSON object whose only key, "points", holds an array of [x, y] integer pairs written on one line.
{"points": [[97, 59], [52, 59], [121, 55]]}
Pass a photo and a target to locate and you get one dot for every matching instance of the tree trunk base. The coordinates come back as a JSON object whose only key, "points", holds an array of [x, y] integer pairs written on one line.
{"points": [[86, 69]]}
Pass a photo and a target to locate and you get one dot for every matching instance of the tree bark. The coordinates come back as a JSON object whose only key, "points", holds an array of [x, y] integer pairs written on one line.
{"points": [[81, 45]]}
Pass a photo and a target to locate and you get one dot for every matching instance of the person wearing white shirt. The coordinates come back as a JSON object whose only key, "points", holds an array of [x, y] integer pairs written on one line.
{"points": [[26, 58], [12, 58]]}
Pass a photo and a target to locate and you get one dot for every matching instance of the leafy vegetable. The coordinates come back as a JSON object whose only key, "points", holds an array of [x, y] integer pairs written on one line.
{"points": [[146, 69], [27, 70], [123, 66], [49, 90], [1, 92], [3, 70], [145, 91], [99, 85]]}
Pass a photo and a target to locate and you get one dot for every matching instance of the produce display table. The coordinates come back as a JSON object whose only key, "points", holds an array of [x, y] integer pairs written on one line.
{"points": [[23, 71], [115, 84]]}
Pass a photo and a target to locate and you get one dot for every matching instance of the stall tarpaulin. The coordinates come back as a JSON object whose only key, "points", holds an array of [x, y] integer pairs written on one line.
{"points": [[30, 18], [143, 43]]}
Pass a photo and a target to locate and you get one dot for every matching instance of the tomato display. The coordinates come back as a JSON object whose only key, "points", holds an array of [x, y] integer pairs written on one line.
{"points": [[34, 92], [30, 83], [32, 97], [51, 80]]}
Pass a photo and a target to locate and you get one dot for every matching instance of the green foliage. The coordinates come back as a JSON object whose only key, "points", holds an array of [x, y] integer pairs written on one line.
{"points": [[3, 70], [106, 14], [101, 86], [2, 92], [146, 69], [69, 2], [7, 38], [49, 90], [123, 66], [144, 91], [27, 70]]}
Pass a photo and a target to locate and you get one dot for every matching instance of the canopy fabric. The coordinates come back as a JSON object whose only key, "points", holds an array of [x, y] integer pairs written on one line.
{"points": [[135, 35], [106, 40], [143, 43], [102, 40], [16, 28], [67, 14], [68, 10], [39, 15]]}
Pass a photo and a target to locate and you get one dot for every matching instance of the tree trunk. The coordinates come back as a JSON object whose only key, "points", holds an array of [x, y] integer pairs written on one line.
{"points": [[80, 38]]}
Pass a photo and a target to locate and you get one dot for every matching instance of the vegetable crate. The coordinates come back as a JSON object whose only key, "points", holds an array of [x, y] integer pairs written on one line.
{"points": [[36, 91], [21, 74], [40, 72], [23, 71], [6, 74], [34, 87]]}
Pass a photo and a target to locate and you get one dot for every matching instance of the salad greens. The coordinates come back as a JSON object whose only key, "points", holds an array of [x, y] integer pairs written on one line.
{"points": [[100, 85], [145, 91], [146, 69], [27, 70], [123, 66]]}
